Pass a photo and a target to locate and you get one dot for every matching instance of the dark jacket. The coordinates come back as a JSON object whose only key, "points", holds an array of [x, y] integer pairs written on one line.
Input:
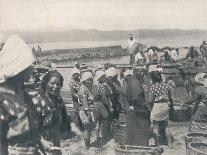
{"points": [[135, 95]]}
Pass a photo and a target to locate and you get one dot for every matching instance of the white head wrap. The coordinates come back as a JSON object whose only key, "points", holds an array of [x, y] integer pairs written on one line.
{"points": [[128, 72], [99, 74], [15, 57], [154, 68], [75, 71], [199, 78], [111, 72], [86, 76]]}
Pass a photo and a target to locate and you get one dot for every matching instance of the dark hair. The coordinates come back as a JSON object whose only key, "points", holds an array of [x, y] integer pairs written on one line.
{"points": [[19, 78], [156, 76], [47, 77]]}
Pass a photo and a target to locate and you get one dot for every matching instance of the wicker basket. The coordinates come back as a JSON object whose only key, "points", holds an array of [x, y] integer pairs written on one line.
{"points": [[197, 149], [137, 150], [195, 137], [120, 132], [16, 150]]}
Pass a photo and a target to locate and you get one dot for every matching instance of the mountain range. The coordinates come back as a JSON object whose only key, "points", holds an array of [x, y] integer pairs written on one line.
{"points": [[99, 35]]}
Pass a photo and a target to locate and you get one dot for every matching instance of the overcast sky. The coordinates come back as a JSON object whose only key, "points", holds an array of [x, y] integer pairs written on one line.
{"points": [[55, 15]]}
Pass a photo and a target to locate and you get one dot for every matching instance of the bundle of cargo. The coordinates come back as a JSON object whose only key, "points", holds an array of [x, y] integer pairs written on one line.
{"points": [[199, 148], [121, 149], [195, 137]]}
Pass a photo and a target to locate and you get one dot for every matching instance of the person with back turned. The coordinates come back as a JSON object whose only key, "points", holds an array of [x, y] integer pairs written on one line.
{"points": [[138, 114], [18, 121]]}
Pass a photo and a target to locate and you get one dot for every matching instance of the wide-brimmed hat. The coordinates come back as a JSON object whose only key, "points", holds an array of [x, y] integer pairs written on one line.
{"points": [[201, 79], [75, 71], [15, 57], [131, 36], [85, 76], [111, 72]]}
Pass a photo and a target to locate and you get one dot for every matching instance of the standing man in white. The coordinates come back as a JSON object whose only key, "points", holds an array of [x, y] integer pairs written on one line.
{"points": [[132, 44]]}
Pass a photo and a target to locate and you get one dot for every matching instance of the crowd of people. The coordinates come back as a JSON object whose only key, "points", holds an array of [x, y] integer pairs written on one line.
{"points": [[98, 97], [139, 54]]}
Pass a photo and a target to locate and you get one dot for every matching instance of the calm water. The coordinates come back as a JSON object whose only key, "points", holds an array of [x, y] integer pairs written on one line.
{"points": [[172, 42]]}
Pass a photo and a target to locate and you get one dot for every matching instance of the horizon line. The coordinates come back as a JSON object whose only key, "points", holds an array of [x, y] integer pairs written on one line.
{"points": [[94, 29]]}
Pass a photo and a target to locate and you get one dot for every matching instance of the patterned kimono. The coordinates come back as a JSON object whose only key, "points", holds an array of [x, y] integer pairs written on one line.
{"points": [[102, 103], [53, 118], [18, 121], [74, 88], [86, 102], [159, 95]]}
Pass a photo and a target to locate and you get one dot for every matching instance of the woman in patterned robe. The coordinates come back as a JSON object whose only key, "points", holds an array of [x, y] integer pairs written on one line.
{"points": [[51, 110], [86, 106], [18, 123], [160, 99]]}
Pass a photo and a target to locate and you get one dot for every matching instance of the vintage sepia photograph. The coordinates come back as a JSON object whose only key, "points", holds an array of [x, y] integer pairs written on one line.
{"points": [[103, 77]]}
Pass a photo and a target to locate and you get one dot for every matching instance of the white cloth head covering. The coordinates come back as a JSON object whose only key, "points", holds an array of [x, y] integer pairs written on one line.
{"points": [[111, 72], [15, 57], [199, 78], [99, 74], [75, 71], [154, 68], [128, 72], [85, 76], [76, 63]]}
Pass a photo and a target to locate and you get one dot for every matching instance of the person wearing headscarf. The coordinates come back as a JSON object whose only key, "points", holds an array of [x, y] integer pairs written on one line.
{"points": [[18, 122], [115, 87], [138, 113], [198, 121], [103, 106], [86, 109], [74, 89], [160, 99], [51, 109], [77, 65]]}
